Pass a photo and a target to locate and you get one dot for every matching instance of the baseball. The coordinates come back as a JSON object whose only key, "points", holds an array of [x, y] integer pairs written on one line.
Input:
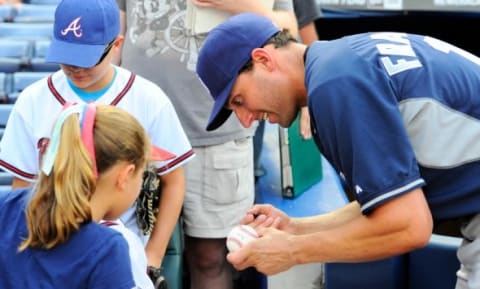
{"points": [[239, 236]]}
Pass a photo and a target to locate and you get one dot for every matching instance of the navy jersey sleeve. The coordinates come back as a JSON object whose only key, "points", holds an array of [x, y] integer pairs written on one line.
{"points": [[359, 129], [113, 269]]}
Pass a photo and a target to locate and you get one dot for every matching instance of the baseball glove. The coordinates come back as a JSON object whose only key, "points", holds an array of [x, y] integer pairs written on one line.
{"points": [[148, 200]]}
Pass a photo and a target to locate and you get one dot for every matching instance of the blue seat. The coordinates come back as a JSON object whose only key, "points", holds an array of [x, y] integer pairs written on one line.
{"points": [[5, 84], [383, 274], [6, 13], [22, 79], [34, 13], [29, 31], [6, 179], [37, 63], [5, 110], [43, 2], [434, 266], [14, 54]]}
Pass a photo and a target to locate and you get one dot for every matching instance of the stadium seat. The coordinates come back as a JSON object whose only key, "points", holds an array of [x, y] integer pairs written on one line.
{"points": [[22, 79], [37, 62], [5, 110], [384, 274], [34, 13], [43, 2], [4, 86], [173, 260], [14, 54], [6, 179], [29, 31], [6, 13], [434, 266]]}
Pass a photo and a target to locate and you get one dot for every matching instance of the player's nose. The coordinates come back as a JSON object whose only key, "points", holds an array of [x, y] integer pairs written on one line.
{"points": [[245, 117]]}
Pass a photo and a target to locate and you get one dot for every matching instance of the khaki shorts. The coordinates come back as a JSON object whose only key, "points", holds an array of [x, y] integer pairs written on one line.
{"points": [[220, 188]]}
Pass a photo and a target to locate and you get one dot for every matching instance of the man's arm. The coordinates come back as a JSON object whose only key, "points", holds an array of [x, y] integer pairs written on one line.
{"points": [[19, 183], [283, 18], [117, 55], [398, 226], [171, 201]]}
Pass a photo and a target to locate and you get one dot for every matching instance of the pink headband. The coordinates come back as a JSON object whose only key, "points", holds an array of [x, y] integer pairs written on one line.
{"points": [[87, 124]]}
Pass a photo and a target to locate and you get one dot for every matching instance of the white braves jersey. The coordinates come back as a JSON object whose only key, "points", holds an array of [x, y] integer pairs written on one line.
{"points": [[135, 247], [32, 117], [31, 120]]}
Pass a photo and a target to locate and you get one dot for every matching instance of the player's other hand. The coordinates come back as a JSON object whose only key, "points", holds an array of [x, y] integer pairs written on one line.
{"points": [[269, 254], [305, 129], [264, 216]]}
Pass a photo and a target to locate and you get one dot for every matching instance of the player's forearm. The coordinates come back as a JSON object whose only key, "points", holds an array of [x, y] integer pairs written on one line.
{"points": [[308, 33], [401, 225], [285, 20], [171, 201], [334, 219], [19, 183]]}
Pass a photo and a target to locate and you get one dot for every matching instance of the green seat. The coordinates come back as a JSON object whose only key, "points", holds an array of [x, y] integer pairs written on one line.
{"points": [[172, 266]]}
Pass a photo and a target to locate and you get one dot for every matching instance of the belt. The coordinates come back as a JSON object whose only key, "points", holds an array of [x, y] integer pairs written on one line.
{"points": [[451, 227]]}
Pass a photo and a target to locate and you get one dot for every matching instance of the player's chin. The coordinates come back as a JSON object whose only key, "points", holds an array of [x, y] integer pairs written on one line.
{"points": [[82, 83]]}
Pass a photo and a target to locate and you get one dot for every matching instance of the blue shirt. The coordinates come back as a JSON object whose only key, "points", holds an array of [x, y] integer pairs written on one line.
{"points": [[94, 257], [393, 112]]}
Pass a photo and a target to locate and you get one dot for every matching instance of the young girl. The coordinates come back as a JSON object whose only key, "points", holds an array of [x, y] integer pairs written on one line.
{"points": [[91, 171]]}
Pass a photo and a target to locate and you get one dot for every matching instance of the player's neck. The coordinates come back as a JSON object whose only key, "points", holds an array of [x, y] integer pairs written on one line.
{"points": [[103, 81]]}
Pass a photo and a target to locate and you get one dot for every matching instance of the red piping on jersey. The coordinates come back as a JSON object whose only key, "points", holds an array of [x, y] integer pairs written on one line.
{"points": [[16, 170], [176, 161], [108, 223], [117, 99]]}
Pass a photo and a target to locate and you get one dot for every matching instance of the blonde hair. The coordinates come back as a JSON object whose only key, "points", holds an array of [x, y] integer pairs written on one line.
{"points": [[60, 203]]}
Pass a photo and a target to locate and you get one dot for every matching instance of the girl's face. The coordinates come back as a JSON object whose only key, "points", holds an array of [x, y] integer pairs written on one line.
{"points": [[129, 193]]}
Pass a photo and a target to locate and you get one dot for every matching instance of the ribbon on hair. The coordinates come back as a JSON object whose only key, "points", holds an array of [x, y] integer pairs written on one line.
{"points": [[87, 121], [52, 149], [87, 124]]}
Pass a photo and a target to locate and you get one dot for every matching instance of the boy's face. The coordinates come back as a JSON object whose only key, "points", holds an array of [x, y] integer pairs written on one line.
{"points": [[93, 78]]}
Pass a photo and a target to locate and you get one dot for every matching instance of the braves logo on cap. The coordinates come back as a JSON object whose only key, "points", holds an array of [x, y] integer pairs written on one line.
{"points": [[74, 27]]}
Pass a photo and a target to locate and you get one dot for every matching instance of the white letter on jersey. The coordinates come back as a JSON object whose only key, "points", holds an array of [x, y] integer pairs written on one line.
{"points": [[395, 49], [391, 37], [400, 65], [400, 47]]}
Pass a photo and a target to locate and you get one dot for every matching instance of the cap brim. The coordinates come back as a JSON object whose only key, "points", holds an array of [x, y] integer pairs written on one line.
{"points": [[158, 154], [75, 54], [219, 113]]}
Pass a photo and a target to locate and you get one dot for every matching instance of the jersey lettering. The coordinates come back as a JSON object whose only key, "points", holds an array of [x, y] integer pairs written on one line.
{"points": [[447, 48], [398, 53], [74, 27]]}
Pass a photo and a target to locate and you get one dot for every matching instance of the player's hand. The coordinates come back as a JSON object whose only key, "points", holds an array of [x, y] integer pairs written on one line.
{"points": [[264, 216], [305, 129], [269, 254]]}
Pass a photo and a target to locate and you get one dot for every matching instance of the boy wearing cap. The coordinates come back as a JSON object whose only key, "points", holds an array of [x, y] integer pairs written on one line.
{"points": [[85, 35], [384, 110]]}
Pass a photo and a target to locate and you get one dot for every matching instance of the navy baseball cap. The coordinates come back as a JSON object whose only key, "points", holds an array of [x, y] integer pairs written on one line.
{"points": [[226, 50], [82, 30]]}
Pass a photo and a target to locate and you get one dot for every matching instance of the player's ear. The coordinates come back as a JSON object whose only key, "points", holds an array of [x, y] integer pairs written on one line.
{"points": [[124, 175], [262, 57], [119, 41]]}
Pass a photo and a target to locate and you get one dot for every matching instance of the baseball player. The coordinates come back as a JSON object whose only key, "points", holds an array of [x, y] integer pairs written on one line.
{"points": [[396, 114], [86, 33]]}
